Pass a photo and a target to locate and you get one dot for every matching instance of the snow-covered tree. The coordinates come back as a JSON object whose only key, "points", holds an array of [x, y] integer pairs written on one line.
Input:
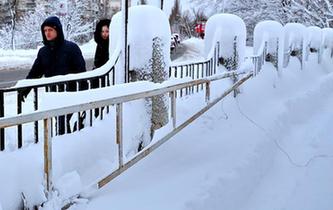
{"points": [[29, 35], [77, 25], [5, 40], [13, 9], [311, 12], [251, 11]]}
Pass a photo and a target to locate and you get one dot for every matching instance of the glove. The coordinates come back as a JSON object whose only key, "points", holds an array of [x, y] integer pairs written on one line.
{"points": [[22, 94]]}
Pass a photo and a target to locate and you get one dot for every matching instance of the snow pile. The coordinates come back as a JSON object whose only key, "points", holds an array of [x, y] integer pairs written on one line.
{"points": [[293, 36], [224, 28], [270, 32], [327, 38], [313, 37], [145, 24]]}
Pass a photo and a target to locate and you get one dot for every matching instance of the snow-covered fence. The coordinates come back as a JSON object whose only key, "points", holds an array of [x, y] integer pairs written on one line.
{"points": [[123, 163], [312, 42], [293, 42], [268, 35], [101, 77], [196, 70]]}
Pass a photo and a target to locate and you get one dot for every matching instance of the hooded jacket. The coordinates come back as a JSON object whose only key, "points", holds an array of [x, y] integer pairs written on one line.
{"points": [[102, 48], [57, 57]]}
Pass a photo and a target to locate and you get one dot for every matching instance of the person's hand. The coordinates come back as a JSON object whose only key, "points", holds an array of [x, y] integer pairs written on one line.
{"points": [[22, 94]]}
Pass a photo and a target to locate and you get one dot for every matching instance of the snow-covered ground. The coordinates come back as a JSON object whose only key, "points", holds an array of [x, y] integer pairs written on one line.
{"points": [[269, 148], [15, 58]]}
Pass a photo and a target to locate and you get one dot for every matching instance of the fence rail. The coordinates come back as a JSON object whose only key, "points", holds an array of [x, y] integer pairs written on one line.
{"points": [[194, 70], [47, 115]]}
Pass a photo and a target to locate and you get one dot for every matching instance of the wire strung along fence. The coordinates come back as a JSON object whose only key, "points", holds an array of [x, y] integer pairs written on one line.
{"points": [[123, 163], [83, 83]]}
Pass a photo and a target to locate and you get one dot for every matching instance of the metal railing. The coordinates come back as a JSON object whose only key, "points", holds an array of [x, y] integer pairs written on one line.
{"points": [[259, 59], [196, 70], [117, 102], [83, 83]]}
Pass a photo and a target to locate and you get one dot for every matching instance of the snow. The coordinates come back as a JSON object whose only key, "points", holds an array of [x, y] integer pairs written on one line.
{"points": [[313, 37], [14, 58], [272, 33], [327, 39], [293, 36], [140, 36], [268, 148], [215, 31]]}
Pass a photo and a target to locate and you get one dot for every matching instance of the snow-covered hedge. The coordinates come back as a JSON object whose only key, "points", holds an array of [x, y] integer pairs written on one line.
{"points": [[293, 36], [270, 32], [313, 37], [146, 25], [226, 29], [327, 38]]}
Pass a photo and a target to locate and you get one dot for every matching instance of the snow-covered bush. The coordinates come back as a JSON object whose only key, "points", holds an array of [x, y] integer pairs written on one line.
{"points": [[270, 32], [293, 41], [230, 31], [312, 41], [327, 38], [149, 41]]}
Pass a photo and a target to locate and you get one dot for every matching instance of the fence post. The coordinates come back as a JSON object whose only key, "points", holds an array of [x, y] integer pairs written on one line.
{"points": [[47, 155], [119, 133], [207, 92], [173, 108], [36, 107], [19, 127], [2, 113]]}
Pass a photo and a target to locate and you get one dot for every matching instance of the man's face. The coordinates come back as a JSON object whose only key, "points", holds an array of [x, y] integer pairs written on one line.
{"points": [[50, 33]]}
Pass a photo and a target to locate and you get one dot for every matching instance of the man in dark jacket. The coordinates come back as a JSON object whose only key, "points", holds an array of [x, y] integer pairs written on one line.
{"points": [[57, 57]]}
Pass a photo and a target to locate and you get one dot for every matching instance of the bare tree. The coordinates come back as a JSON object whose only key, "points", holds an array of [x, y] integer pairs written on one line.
{"points": [[13, 9]]}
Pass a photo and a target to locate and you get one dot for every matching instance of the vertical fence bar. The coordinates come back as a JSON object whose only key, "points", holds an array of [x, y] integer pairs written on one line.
{"points": [[47, 155], [173, 108], [36, 108], [19, 127], [119, 133], [2, 113], [207, 92]]}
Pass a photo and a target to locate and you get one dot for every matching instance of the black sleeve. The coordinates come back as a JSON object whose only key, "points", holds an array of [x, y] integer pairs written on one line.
{"points": [[36, 69], [79, 63], [97, 60]]}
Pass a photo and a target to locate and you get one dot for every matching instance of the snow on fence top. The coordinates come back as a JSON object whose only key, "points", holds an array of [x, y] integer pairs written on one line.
{"points": [[145, 23], [313, 37], [293, 36], [223, 28], [270, 32], [327, 38]]}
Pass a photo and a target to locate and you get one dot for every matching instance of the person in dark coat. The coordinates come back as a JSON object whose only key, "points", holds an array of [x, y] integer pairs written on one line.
{"points": [[57, 57], [101, 36]]}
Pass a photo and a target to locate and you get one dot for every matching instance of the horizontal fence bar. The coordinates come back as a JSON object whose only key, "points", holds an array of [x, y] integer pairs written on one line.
{"points": [[153, 147], [39, 115]]}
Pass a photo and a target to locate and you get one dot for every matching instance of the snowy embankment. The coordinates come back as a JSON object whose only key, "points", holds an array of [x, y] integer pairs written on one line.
{"points": [[25, 58], [270, 148]]}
